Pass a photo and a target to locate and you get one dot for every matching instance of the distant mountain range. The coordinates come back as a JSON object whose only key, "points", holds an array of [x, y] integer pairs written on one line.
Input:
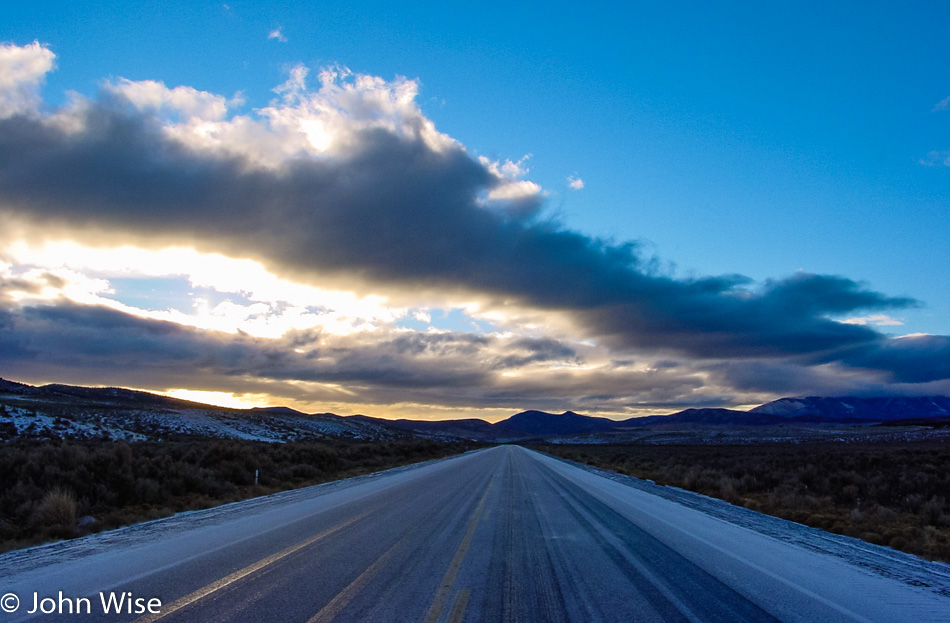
{"points": [[783, 412], [90, 412], [524, 425]]}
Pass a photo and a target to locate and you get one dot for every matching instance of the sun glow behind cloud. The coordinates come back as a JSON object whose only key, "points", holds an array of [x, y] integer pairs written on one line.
{"points": [[220, 399], [261, 304]]}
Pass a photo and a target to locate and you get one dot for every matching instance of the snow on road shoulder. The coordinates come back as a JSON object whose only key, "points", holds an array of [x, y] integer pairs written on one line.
{"points": [[774, 555]]}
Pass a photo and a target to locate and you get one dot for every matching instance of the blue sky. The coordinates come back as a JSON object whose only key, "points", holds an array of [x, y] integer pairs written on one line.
{"points": [[727, 139], [739, 138]]}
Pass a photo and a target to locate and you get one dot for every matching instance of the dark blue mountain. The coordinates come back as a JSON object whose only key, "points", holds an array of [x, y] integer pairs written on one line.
{"points": [[540, 423], [705, 417], [851, 408]]}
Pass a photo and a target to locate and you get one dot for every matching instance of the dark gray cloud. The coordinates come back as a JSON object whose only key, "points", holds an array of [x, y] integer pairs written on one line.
{"points": [[910, 359], [761, 380], [68, 342], [393, 211], [92, 344], [524, 351], [69, 335], [11, 285], [711, 320]]}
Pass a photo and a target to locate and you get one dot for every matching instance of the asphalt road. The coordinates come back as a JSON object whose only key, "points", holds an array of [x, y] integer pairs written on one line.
{"points": [[501, 535]]}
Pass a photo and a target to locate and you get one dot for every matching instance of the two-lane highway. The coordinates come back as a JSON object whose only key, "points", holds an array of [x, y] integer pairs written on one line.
{"points": [[499, 535]]}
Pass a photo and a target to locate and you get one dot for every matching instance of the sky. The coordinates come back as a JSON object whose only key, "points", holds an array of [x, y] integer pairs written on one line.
{"points": [[443, 212]]}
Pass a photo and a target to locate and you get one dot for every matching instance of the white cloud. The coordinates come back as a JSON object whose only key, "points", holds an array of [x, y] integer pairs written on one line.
{"points": [[153, 96], [575, 182], [295, 87], [42, 285], [936, 158], [306, 123], [514, 190], [880, 320], [510, 186], [301, 123], [22, 71], [943, 104], [507, 170], [277, 34]]}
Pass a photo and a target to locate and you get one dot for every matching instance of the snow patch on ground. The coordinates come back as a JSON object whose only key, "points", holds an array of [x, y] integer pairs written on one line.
{"points": [[39, 421]]}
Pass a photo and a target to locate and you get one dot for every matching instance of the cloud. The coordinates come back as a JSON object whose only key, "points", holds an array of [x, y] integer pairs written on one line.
{"points": [[519, 197], [394, 211], [716, 318], [936, 158], [57, 339], [22, 71], [760, 381], [277, 34], [881, 320], [515, 190], [507, 170], [575, 183], [352, 184], [94, 344], [66, 335], [154, 97], [907, 359], [224, 294]]}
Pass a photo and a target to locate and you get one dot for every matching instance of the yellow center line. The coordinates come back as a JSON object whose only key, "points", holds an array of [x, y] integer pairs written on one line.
{"points": [[459, 605], [333, 608], [241, 573], [442, 595]]}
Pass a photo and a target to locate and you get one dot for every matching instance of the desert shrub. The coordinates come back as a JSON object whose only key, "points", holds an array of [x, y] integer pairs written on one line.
{"points": [[932, 513], [45, 485], [57, 509]]}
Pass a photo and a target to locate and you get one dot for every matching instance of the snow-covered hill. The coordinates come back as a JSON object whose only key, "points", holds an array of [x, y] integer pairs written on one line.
{"points": [[851, 408], [60, 411]]}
